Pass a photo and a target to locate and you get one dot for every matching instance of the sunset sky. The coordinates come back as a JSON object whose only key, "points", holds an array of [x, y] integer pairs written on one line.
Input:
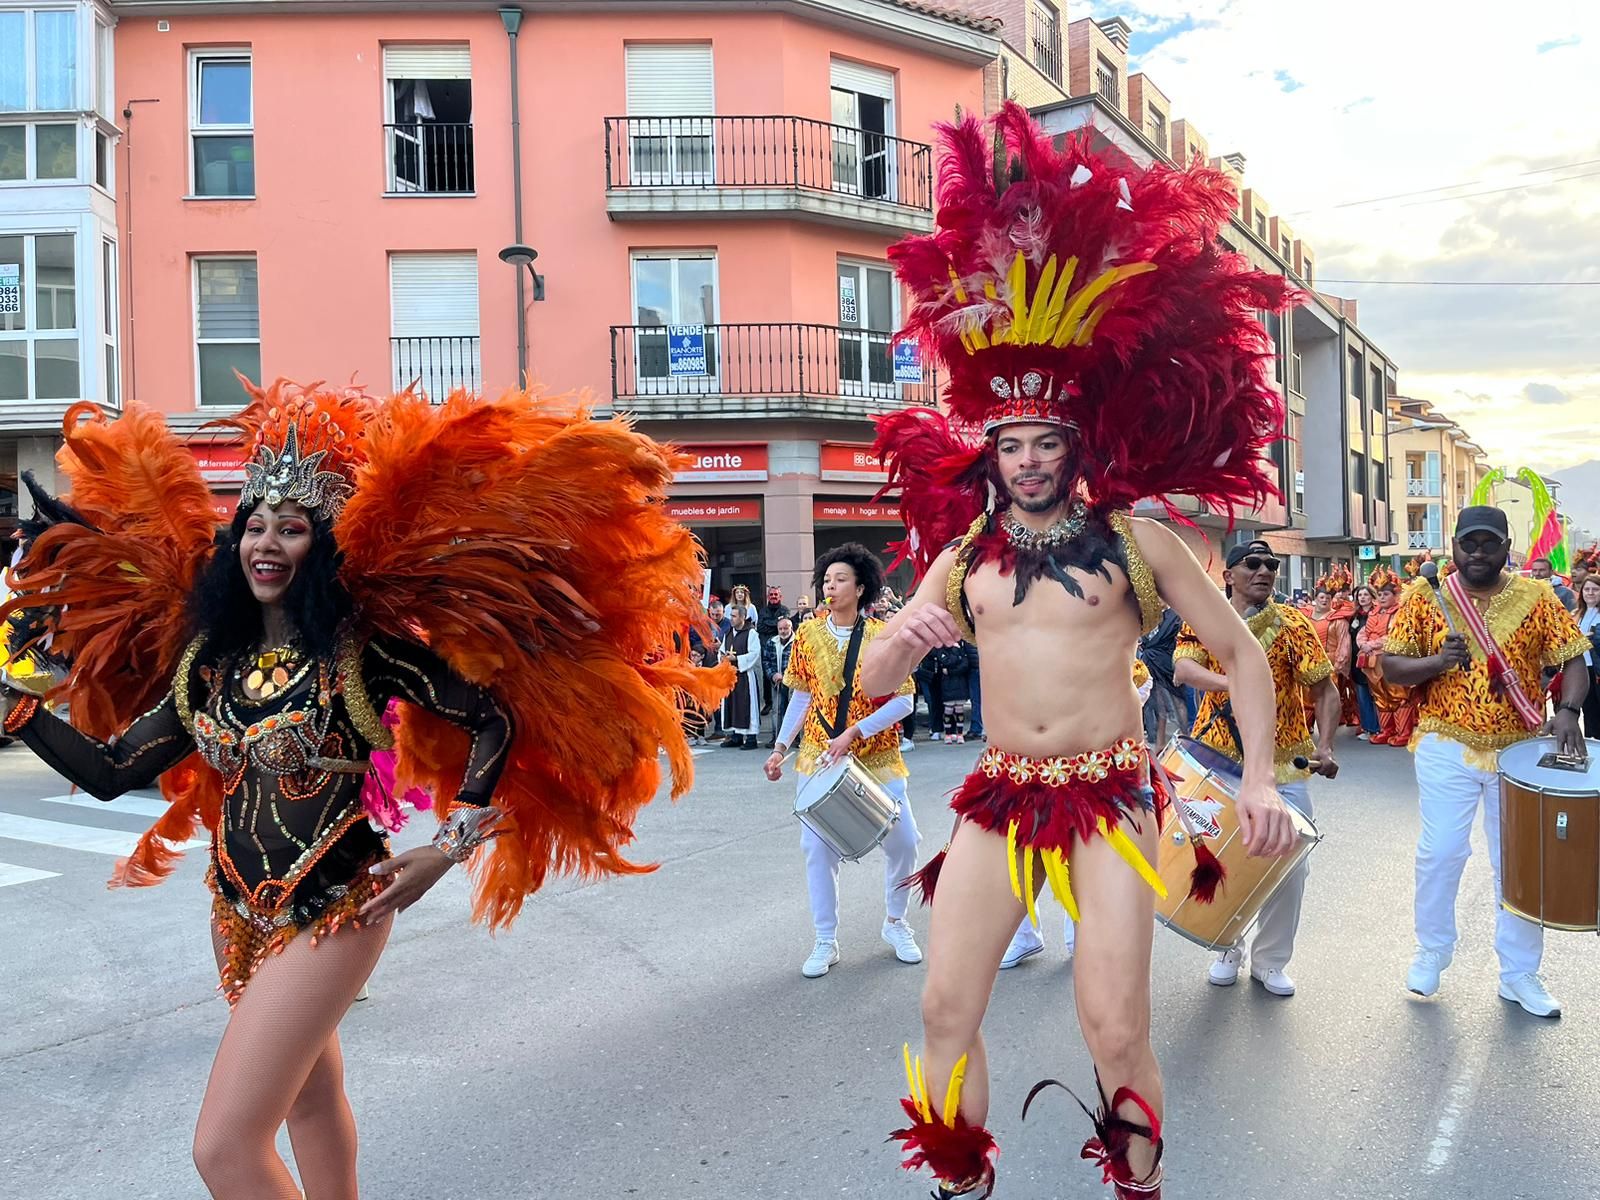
{"points": [[1472, 114]]}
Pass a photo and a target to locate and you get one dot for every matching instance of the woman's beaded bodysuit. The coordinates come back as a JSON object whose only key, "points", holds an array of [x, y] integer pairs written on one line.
{"points": [[293, 844]]}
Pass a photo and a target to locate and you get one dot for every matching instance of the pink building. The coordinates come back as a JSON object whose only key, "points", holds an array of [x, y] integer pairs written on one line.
{"points": [[325, 194]]}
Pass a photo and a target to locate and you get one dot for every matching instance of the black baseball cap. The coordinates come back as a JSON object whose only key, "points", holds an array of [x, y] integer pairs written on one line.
{"points": [[1483, 518], [1244, 551]]}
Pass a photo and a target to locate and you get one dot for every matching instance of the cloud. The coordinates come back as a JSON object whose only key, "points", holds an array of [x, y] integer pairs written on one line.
{"points": [[1544, 393]]}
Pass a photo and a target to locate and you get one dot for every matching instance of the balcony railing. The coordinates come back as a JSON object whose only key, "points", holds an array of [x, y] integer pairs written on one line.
{"points": [[851, 371], [1424, 539], [767, 152], [429, 157], [1422, 487], [437, 365]]}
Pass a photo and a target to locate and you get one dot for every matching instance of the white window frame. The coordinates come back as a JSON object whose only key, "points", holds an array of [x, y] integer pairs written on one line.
{"points": [[30, 333], [111, 302], [864, 385], [667, 385], [391, 174], [435, 379], [194, 322], [30, 61], [30, 155], [676, 130], [198, 131], [853, 142]]}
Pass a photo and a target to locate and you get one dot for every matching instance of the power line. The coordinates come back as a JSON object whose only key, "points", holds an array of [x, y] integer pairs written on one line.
{"points": [[1450, 187], [1466, 282]]}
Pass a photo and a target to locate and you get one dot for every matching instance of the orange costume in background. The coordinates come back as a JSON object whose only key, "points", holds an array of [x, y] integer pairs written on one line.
{"points": [[1397, 706], [1333, 630]]}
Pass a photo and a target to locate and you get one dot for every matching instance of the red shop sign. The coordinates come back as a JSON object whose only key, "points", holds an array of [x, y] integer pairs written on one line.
{"points": [[219, 462], [734, 462], [852, 461], [715, 512], [851, 512]]}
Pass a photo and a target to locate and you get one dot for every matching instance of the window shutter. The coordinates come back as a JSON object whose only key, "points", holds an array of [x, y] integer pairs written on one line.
{"points": [[427, 62], [854, 77], [433, 295], [670, 81], [228, 304]]}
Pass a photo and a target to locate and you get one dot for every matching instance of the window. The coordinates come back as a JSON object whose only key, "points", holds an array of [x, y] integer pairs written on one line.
{"points": [[39, 61], [108, 306], [44, 151], [867, 320], [38, 317], [1045, 41], [1105, 76], [1261, 226], [1357, 376], [1358, 473], [670, 102], [1380, 482], [428, 119], [1158, 128], [433, 322], [1194, 153], [105, 95], [227, 325], [1305, 260], [863, 121], [1379, 393], [1287, 250], [221, 125], [1274, 323], [673, 289]]}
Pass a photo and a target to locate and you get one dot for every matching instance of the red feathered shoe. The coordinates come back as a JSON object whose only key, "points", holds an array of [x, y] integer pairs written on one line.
{"points": [[960, 1154], [1108, 1149]]}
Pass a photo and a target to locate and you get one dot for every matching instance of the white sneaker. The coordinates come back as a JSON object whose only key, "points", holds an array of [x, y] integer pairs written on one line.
{"points": [[1528, 991], [363, 994], [899, 935], [1274, 981], [907, 745], [1426, 967], [1025, 943], [1225, 971], [823, 955]]}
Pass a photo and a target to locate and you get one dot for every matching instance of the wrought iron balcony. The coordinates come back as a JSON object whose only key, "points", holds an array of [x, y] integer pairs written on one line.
{"points": [[770, 369], [437, 365], [664, 166], [1422, 487], [429, 158], [1424, 539]]}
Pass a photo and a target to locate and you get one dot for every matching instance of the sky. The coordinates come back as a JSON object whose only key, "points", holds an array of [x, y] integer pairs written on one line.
{"points": [[1334, 104]]}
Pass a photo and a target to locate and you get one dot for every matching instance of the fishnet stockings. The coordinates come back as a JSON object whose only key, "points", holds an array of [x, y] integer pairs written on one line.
{"points": [[280, 1061]]}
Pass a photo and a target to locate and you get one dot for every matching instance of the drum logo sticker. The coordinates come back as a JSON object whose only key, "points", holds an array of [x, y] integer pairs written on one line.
{"points": [[1202, 815]]}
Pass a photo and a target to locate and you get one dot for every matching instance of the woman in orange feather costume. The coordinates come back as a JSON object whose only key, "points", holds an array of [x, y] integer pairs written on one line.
{"points": [[499, 568]]}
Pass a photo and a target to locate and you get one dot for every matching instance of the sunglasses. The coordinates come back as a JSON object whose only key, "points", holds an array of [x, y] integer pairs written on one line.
{"points": [[1256, 562]]}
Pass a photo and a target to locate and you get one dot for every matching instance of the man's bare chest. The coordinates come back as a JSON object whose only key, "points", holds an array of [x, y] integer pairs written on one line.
{"points": [[1106, 604]]}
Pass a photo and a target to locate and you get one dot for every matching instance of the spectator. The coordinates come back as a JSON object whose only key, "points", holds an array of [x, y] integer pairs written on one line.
{"points": [[719, 619], [954, 664], [1589, 623], [1540, 568], [976, 684], [1164, 710], [1366, 706], [778, 647], [927, 680], [772, 612]]}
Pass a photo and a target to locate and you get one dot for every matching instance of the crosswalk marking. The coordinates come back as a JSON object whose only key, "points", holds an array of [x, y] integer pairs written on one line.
{"points": [[73, 837], [10, 874], [138, 806]]}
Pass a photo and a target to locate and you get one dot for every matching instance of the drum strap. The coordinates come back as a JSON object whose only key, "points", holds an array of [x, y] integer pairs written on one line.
{"points": [[1224, 714], [841, 714]]}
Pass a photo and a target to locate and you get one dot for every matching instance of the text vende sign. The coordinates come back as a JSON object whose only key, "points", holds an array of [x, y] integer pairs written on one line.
{"points": [[730, 463]]}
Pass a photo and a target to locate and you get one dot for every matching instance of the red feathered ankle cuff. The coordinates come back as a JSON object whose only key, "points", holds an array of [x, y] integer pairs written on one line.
{"points": [[926, 879], [960, 1154], [1108, 1149]]}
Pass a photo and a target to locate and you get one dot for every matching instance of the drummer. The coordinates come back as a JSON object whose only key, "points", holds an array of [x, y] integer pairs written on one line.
{"points": [[868, 729], [1467, 717], [1302, 679]]}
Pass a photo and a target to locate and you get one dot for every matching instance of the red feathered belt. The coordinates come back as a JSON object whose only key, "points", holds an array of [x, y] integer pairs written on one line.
{"points": [[1044, 805]]}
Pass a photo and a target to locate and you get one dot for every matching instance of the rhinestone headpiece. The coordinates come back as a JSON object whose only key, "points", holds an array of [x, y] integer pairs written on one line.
{"points": [[305, 443], [280, 476]]}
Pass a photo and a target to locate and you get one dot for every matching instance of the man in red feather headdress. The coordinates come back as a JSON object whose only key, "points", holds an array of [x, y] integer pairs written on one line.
{"points": [[1100, 350]]}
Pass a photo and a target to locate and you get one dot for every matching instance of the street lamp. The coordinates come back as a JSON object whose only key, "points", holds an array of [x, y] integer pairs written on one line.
{"points": [[520, 256]]}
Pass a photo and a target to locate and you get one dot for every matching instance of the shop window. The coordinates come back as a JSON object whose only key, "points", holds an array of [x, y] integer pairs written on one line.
{"points": [[39, 355]]}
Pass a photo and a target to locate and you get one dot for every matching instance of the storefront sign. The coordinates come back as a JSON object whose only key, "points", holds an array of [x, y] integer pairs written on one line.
{"points": [[851, 512], [907, 363], [715, 512], [732, 463], [219, 462], [225, 504], [686, 351], [851, 461]]}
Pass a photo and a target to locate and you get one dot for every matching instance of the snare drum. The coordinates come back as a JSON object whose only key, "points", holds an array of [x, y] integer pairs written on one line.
{"points": [[1205, 784], [846, 806], [1550, 835]]}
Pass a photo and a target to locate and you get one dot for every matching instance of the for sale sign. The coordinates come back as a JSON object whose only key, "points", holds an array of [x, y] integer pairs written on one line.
{"points": [[10, 289]]}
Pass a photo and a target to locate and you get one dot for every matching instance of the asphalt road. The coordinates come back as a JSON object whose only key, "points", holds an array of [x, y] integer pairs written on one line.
{"points": [[653, 1037]]}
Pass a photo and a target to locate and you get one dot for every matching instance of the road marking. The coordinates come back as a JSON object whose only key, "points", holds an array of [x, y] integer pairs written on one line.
{"points": [[138, 806], [10, 874], [1455, 1107], [74, 837]]}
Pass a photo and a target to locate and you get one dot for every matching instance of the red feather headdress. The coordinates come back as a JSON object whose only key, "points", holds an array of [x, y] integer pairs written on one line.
{"points": [[1064, 287]]}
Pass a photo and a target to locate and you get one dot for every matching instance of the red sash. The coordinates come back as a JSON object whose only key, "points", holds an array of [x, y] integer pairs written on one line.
{"points": [[1499, 668]]}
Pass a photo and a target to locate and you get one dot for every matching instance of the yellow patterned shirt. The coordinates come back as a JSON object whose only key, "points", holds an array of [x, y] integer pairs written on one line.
{"points": [[816, 665], [1533, 631], [1298, 662]]}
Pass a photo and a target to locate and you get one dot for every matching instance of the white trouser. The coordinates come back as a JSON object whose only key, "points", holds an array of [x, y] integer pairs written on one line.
{"points": [[1449, 791], [1273, 944], [822, 866]]}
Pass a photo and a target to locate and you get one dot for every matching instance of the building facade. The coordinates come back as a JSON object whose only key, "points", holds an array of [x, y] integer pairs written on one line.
{"points": [[1433, 469]]}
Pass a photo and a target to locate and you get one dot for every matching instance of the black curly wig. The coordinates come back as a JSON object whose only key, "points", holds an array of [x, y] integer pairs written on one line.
{"points": [[223, 608], [867, 566]]}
